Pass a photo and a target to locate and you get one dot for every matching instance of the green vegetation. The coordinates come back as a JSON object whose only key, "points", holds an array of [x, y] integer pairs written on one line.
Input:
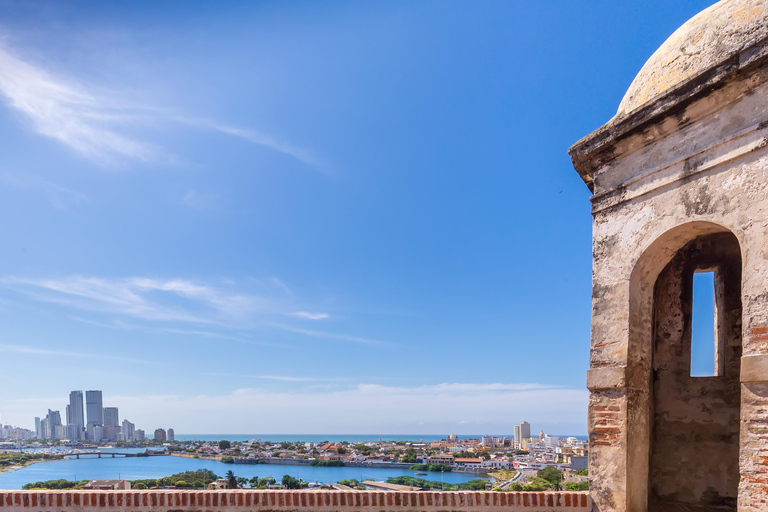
{"points": [[326, 463], [364, 450], [583, 472], [231, 479], [188, 479], [545, 479], [576, 486], [552, 475], [224, 445], [266, 481], [23, 459], [437, 468], [56, 484], [290, 482], [472, 485], [521, 452], [353, 483], [409, 456], [341, 450], [228, 460]]}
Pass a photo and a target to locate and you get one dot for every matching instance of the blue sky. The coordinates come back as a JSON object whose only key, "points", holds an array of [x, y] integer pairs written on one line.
{"points": [[300, 217]]}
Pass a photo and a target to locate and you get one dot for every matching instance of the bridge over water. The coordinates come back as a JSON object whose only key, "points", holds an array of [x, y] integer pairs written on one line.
{"points": [[112, 454]]}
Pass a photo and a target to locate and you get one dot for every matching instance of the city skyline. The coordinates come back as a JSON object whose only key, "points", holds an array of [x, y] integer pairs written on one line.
{"points": [[333, 217]]}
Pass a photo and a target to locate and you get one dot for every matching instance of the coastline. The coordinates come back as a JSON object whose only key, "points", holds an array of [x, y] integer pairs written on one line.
{"points": [[196, 456], [11, 469], [483, 472]]}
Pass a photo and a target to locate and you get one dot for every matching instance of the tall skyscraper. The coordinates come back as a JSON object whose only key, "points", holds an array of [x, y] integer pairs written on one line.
{"points": [[94, 408], [160, 434], [129, 429], [522, 431], [171, 435], [111, 418], [54, 428], [38, 433], [75, 417]]}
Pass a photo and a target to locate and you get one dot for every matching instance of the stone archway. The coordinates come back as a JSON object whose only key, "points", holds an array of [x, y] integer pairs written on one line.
{"points": [[683, 431]]}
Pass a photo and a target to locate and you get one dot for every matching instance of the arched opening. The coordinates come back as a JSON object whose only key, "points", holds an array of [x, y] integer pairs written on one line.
{"points": [[683, 431]]}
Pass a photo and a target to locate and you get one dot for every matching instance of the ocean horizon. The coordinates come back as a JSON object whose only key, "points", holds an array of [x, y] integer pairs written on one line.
{"points": [[338, 438]]}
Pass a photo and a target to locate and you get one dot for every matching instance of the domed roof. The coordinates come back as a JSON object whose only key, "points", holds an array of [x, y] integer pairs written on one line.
{"points": [[707, 39]]}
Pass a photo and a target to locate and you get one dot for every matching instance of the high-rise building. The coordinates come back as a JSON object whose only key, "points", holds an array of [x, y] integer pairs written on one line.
{"points": [[170, 435], [111, 418], [75, 416], [160, 434], [37, 428], [51, 426], [129, 430], [138, 435], [94, 408], [522, 431]]}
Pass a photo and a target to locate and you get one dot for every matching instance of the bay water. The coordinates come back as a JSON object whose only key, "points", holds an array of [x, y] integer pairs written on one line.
{"points": [[89, 467]]}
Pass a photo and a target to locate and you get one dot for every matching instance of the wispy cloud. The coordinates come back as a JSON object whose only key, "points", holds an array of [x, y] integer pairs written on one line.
{"points": [[191, 307], [67, 112], [281, 378], [96, 123], [327, 335], [298, 153], [24, 349], [311, 316], [367, 408], [61, 198]]}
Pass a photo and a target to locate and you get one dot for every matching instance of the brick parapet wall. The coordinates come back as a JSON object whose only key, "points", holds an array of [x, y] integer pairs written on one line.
{"points": [[293, 501]]}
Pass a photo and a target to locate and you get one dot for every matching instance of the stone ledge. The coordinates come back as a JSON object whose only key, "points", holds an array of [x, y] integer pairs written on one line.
{"points": [[294, 501], [754, 369], [611, 377]]}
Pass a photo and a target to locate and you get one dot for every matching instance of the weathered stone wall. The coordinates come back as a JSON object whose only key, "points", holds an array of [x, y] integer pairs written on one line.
{"points": [[693, 163], [294, 501], [695, 420]]}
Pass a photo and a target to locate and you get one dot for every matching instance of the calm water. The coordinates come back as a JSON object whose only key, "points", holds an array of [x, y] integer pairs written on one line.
{"points": [[135, 468], [332, 438]]}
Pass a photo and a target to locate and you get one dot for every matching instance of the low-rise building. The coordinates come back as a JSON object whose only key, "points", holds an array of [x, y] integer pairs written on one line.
{"points": [[108, 485]]}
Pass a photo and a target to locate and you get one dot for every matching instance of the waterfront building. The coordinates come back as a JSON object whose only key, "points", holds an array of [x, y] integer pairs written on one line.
{"points": [[170, 435], [75, 414], [45, 432], [111, 417], [160, 434], [37, 427], [440, 458], [94, 408], [129, 431], [522, 431]]}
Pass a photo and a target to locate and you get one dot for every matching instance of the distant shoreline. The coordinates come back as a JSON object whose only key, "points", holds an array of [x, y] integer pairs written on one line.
{"points": [[11, 469]]}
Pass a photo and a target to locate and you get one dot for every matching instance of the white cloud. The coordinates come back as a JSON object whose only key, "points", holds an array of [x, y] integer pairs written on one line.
{"points": [[178, 301], [94, 124], [327, 335], [367, 408], [67, 112], [298, 153], [33, 351], [280, 378], [311, 316]]}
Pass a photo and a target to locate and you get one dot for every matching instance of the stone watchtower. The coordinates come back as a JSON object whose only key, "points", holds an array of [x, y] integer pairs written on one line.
{"points": [[680, 182]]}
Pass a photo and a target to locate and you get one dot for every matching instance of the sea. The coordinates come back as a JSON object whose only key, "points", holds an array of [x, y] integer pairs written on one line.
{"points": [[90, 467]]}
